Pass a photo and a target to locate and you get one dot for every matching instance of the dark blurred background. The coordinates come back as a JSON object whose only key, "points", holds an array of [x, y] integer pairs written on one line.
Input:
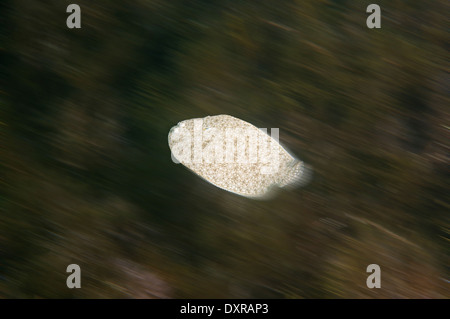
{"points": [[87, 177]]}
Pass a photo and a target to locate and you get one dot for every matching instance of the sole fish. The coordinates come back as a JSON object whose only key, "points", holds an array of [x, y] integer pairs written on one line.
{"points": [[235, 155]]}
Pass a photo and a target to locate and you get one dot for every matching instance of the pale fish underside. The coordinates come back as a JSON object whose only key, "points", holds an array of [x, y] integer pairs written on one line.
{"points": [[235, 155]]}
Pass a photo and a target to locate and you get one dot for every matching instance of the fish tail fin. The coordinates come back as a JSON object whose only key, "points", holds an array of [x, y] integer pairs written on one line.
{"points": [[298, 174]]}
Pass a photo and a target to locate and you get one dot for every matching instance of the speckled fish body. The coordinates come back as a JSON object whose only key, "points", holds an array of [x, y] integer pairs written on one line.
{"points": [[234, 155]]}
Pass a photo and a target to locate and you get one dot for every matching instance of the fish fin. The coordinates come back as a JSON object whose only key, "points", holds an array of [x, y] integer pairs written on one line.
{"points": [[298, 174]]}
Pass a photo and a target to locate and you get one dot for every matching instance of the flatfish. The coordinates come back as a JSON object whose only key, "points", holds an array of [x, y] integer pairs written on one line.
{"points": [[235, 155]]}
